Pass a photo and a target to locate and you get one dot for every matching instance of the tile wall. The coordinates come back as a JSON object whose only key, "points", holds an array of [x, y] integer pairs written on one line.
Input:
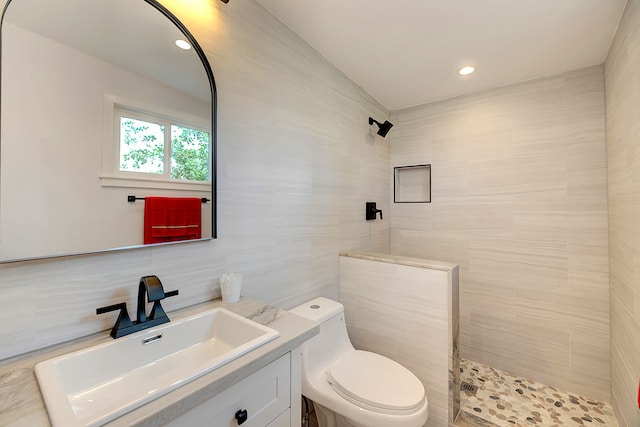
{"points": [[297, 162], [407, 310], [623, 142], [519, 201]]}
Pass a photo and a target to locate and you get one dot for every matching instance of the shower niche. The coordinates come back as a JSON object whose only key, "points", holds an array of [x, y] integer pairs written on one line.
{"points": [[412, 184]]}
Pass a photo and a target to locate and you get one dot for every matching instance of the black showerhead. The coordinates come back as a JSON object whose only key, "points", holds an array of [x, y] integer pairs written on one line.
{"points": [[383, 128]]}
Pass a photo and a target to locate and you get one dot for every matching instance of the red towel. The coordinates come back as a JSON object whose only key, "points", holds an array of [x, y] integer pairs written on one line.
{"points": [[169, 219]]}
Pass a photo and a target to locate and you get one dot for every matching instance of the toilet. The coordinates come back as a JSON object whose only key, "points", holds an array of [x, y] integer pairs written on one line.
{"points": [[354, 388]]}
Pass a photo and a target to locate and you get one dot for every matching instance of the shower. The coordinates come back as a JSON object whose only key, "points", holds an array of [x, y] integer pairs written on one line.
{"points": [[383, 128]]}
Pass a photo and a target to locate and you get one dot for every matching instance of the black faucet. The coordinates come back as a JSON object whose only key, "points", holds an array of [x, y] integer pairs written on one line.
{"points": [[152, 288]]}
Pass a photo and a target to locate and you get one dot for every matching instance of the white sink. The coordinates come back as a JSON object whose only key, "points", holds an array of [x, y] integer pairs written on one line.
{"points": [[93, 386]]}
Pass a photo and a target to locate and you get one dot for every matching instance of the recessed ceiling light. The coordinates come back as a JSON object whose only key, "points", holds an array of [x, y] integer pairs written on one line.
{"points": [[183, 44], [465, 71]]}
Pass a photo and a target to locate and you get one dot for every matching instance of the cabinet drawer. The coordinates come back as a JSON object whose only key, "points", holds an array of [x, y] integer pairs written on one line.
{"points": [[264, 395], [283, 420]]}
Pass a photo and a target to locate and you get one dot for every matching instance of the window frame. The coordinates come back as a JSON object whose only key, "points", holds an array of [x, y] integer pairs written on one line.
{"points": [[112, 176]]}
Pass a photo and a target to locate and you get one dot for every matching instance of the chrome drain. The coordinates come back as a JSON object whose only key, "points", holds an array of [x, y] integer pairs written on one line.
{"points": [[468, 387]]}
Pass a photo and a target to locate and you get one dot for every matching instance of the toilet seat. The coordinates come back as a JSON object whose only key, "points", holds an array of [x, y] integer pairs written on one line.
{"points": [[376, 383]]}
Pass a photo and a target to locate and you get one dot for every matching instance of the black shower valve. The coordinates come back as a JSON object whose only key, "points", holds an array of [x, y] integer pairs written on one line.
{"points": [[371, 211]]}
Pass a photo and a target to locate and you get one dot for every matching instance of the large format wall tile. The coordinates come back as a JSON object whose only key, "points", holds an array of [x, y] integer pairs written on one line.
{"points": [[519, 201], [623, 140]]}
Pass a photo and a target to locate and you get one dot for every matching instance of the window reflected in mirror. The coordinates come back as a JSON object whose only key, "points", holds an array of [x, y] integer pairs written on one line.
{"points": [[146, 141]]}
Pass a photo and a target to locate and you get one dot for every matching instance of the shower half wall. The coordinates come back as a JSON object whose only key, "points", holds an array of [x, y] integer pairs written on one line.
{"points": [[407, 309], [519, 201]]}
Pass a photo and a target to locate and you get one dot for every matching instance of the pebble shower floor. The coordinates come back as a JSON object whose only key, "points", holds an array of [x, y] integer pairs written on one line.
{"points": [[503, 399]]}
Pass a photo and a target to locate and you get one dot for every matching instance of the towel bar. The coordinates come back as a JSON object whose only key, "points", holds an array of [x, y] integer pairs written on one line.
{"points": [[134, 198]]}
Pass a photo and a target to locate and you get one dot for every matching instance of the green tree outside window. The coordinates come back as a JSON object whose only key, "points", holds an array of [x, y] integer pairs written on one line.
{"points": [[143, 149]]}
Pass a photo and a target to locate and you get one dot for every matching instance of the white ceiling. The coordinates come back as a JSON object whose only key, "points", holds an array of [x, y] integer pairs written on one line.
{"points": [[131, 34], [407, 52]]}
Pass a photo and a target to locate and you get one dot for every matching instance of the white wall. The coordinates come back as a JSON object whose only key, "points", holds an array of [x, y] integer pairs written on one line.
{"points": [[519, 201], [53, 131], [297, 162], [623, 140]]}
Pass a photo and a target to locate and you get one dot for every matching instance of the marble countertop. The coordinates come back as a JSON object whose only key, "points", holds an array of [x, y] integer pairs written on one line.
{"points": [[21, 403], [403, 260]]}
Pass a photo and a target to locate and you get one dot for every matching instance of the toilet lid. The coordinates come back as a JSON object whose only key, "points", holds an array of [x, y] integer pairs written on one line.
{"points": [[374, 381]]}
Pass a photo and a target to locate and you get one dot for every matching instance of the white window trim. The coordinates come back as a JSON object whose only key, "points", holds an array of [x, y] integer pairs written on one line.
{"points": [[112, 176]]}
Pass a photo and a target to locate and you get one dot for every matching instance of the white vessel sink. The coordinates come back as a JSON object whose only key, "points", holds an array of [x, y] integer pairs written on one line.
{"points": [[93, 386]]}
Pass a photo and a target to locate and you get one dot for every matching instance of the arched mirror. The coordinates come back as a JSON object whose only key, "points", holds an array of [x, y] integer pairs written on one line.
{"points": [[101, 112]]}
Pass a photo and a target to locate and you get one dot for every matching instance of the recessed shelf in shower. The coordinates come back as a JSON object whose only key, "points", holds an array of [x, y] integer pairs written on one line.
{"points": [[412, 184]]}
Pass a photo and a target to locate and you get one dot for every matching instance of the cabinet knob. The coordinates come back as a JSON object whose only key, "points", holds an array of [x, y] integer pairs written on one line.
{"points": [[241, 416]]}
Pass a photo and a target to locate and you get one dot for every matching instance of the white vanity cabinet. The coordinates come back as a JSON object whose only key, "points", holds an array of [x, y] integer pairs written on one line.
{"points": [[270, 397]]}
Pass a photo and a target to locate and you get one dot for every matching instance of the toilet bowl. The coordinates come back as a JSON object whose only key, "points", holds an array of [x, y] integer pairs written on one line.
{"points": [[354, 388]]}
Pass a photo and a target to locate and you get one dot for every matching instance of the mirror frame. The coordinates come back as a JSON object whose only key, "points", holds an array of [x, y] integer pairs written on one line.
{"points": [[213, 146]]}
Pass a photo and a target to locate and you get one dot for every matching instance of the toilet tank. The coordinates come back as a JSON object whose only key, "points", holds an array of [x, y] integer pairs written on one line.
{"points": [[326, 348]]}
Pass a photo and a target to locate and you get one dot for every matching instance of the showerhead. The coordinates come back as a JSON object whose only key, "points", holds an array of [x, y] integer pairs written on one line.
{"points": [[383, 128]]}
